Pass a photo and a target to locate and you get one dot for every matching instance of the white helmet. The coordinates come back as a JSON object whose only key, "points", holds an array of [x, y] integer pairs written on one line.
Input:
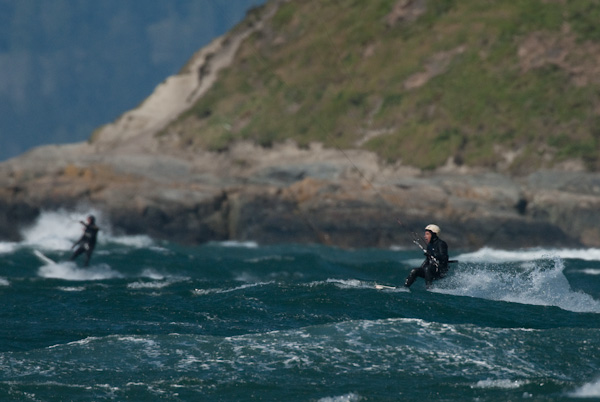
{"points": [[433, 228]]}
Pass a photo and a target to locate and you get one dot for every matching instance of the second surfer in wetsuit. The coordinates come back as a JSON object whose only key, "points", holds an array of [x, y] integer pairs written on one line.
{"points": [[87, 242], [435, 265]]}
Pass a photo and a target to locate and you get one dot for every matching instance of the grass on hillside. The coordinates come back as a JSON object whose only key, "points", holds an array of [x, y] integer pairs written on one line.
{"points": [[335, 72]]}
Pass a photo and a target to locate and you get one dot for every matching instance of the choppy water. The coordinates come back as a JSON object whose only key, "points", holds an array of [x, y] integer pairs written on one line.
{"points": [[151, 320]]}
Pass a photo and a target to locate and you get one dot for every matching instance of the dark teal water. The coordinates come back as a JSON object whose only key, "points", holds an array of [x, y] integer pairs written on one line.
{"points": [[238, 321]]}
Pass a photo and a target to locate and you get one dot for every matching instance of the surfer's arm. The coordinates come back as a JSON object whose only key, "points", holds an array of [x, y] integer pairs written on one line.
{"points": [[430, 258], [443, 252]]}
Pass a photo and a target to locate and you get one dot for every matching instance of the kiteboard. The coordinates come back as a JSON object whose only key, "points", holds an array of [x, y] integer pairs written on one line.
{"points": [[43, 258], [384, 287]]}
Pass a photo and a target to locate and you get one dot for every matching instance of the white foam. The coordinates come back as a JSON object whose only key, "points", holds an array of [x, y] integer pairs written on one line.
{"points": [[6, 248], [355, 284], [84, 341], [491, 255], [351, 284], [58, 230], [201, 292], [152, 274], [589, 271], [246, 286], [148, 285], [136, 339], [348, 283], [269, 258], [72, 288], [137, 241], [589, 390], [502, 384], [229, 290], [539, 283], [55, 230], [240, 244], [351, 397], [70, 271]]}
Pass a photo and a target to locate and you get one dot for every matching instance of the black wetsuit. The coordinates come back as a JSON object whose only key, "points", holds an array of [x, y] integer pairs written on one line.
{"points": [[435, 265], [87, 242]]}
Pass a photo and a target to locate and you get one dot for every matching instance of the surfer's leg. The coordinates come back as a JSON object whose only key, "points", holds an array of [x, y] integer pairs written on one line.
{"points": [[429, 274], [76, 253], [88, 256], [410, 279]]}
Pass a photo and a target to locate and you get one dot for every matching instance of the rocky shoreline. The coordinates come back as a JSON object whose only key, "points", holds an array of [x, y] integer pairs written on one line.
{"points": [[150, 184], [291, 195]]}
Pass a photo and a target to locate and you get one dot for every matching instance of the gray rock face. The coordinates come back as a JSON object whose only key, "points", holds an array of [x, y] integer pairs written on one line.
{"points": [[286, 194]]}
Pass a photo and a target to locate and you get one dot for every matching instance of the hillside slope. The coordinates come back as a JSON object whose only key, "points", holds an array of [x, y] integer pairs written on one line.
{"points": [[498, 84], [326, 121]]}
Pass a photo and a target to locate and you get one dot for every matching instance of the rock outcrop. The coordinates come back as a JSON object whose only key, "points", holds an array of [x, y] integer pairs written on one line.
{"points": [[286, 194], [148, 184]]}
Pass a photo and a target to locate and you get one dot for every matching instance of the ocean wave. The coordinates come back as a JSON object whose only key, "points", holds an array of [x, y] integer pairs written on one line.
{"points": [[7, 248], [234, 243], [70, 271], [490, 255], [501, 384], [589, 390], [402, 348], [348, 283], [135, 241], [149, 285], [357, 284], [342, 283], [588, 271], [351, 397], [152, 274], [229, 290], [72, 288], [315, 320], [538, 283], [276, 258]]}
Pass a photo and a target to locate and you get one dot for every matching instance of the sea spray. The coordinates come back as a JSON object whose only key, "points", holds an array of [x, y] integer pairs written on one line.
{"points": [[71, 272], [541, 282]]}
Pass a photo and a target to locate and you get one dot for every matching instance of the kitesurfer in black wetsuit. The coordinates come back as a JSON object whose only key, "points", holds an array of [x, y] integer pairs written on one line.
{"points": [[435, 265], [87, 242]]}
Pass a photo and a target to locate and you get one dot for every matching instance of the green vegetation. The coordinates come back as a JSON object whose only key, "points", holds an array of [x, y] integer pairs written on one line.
{"points": [[457, 82]]}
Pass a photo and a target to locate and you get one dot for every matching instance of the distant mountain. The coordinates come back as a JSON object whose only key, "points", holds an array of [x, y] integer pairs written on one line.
{"points": [[68, 66]]}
